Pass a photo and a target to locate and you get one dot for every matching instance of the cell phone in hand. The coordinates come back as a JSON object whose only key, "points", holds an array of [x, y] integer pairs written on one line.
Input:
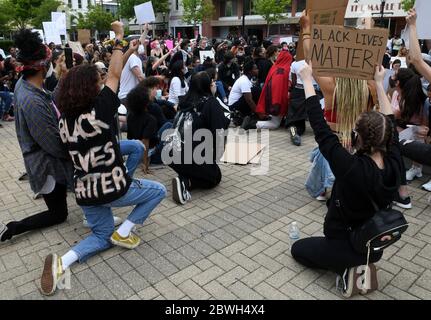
{"points": [[68, 54]]}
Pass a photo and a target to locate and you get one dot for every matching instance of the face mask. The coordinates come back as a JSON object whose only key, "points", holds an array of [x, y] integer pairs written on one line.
{"points": [[158, 46], [141, 49], [189, 49], [102, 86], [50, 71]]}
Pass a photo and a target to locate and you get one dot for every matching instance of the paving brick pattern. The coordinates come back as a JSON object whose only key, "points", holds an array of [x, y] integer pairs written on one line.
{"points": [[227, 243]]}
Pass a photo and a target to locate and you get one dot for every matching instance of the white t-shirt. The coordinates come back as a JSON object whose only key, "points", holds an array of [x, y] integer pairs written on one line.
{"points": [[128, 80], [296, 68], [2, 54], [176, 90], [241, 86]]}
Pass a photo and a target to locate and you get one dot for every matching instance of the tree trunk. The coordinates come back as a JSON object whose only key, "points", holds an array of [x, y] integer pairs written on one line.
{"points": [[267, 30]]}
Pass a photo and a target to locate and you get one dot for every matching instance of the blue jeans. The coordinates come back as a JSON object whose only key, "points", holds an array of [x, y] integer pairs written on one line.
{"points": [[220, 89], [134, 150], [145, 194], [6, 102]]}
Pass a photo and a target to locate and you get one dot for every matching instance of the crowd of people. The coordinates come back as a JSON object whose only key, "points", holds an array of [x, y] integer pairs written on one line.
{"points": [[71, 118]]}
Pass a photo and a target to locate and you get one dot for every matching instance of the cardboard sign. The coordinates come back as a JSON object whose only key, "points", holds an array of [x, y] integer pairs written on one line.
{"points": [[206, 54], [241, 153], [323, 13], [51, 32], [423, 8], [371, 8], [145, 13], [59, 18], [77, 47], [347, 53], [84, 36]]}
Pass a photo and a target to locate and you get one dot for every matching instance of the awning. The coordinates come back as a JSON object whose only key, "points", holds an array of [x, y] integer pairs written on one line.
{"points": [[251, 22]]}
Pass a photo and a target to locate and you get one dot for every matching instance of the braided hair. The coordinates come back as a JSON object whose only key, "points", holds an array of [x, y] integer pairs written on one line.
{"points": [[375, 131]]}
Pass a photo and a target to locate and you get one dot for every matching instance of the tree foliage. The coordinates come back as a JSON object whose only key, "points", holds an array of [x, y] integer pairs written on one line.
{"points": [[407, 4], [271, 10], [197, 11], [95, 19]]}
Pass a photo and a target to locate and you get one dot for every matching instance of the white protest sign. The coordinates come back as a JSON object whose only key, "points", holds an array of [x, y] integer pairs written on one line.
{"points": [[111, 35], [145, 13], [372, 8], [59, 18], [423, 8], [51, 32], [206, 54], [402, 59]]}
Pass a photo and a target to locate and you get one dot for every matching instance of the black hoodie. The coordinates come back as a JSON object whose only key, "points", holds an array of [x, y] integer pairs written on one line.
{"points": [[357, 177]]}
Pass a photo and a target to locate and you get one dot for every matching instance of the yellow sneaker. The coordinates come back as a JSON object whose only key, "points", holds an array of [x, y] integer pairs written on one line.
{"points": [[131, 242], [52, 274]]}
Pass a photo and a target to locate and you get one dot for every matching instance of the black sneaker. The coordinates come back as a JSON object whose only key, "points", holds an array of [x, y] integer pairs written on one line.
{"points": [[180, 194], [249, 123], [403, 203], [294, 136]]}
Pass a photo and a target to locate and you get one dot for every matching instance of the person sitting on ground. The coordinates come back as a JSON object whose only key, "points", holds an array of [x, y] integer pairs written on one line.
{"points": [[178, 86], [372, 174], [101, 183], [228, 71], [198, 110], [244, 96]]}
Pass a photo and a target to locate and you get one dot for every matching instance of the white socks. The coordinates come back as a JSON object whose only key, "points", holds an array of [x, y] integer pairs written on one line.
{"points": [[68, 259], [125, 228]]}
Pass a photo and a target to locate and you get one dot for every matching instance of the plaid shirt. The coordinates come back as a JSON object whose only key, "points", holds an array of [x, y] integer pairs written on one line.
{"points": [[38, 135]]}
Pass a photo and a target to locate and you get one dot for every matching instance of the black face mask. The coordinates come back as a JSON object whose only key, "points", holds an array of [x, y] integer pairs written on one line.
{"points": [[354, 137]]}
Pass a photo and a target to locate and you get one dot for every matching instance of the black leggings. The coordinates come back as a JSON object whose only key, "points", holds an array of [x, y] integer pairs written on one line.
{"points": [[56, 214], [204, 176], [335, 255], [417, 151]]}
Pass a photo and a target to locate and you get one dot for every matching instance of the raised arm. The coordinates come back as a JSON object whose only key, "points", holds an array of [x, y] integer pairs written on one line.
{"points": [[116, 65], [144, 36], [415, 53], [385, 104], [162, 59], [132, 48]]}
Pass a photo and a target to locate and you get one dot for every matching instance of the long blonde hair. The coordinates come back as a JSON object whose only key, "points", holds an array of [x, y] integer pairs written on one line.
{"points": [[58, 71], [352, 97]]}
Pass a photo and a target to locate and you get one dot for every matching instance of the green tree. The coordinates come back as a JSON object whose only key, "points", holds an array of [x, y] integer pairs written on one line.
{"points": [[127, 7], [407, 4], [197, 11], [95, 19], [271, 10], [43, 12]]}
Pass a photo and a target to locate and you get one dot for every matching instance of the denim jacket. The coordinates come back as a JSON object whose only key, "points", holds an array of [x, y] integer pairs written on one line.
{"points": [[321, 176]]}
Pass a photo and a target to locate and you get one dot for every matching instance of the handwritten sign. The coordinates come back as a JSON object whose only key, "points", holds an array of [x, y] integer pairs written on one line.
{"points": [[330, 12], [169, 44], [145, 13], [59, 18], [77, 47], [347, 53]]}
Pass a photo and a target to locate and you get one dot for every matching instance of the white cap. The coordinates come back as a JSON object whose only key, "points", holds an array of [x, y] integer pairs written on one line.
{"points": [[100, 65]]}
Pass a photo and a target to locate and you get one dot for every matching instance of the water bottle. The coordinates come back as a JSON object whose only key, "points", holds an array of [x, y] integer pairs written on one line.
{"points": [[293, 233]]}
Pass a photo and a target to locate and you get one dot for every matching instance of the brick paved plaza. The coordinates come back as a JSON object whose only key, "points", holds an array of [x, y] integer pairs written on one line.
{"points": [[228, 243]]}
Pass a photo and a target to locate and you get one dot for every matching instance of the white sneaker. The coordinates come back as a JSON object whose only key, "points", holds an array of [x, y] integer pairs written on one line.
{"points": [[117, 221], [427, 186], [414, 172]]}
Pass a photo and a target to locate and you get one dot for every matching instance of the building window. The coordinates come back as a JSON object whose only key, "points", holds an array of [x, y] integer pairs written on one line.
{"points": [[69, 3], [177, 5], [248, 7], [228, 8], [301, 6], [79, 4]]}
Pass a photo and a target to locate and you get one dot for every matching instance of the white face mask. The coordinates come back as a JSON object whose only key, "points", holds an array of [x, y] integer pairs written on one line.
{"points": [[158, 46], [50, 71], [141, 49]]}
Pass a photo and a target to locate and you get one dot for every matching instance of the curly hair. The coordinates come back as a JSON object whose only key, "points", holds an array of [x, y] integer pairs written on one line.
{"points": [[376, 132], [138, 100], [30, 48], [78, 90]]}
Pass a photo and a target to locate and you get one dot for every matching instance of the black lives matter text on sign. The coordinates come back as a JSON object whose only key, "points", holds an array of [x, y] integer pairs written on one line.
{"points": [[347, 53]]}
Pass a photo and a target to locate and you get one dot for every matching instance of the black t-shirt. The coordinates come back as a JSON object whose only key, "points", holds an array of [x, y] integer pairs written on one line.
{"points": [[156, 111], [100, 175], [142, 126]]}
